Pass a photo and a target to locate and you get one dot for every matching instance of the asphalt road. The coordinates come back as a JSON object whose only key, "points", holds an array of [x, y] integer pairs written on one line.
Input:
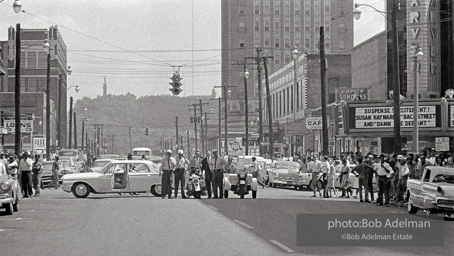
{"points": [[57, 223]]}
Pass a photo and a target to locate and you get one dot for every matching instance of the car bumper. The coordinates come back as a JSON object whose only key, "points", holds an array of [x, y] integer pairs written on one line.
{"points": [[66, 186], [6, 199]]}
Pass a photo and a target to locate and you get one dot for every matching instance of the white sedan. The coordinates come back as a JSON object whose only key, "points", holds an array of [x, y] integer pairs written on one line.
{"points": [[119, 176]]}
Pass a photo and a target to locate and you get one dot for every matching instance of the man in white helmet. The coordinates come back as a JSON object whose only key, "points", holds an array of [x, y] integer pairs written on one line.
{"points": [[180, 168], [165, 172]]}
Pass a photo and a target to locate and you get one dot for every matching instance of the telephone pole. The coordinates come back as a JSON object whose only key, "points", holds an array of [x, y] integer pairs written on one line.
{"points": [[268, 105], [324, 134], [202, 134], [195, 122], [176, 130]]}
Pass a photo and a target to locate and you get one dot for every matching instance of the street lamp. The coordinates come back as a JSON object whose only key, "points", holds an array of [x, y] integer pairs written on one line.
{"points": [[17, 6], [418, 53], [246, 108], [395, 59], [75, 89]]}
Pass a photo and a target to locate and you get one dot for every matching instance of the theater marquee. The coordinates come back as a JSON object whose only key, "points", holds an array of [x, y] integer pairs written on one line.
{"points": [[382, 117]]}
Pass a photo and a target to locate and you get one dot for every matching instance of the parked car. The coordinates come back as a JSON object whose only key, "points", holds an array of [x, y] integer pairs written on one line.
{"points": [[97, 165], [10, 192], [46, 172], [108, 156], [119, 176], [285, 173], [434, 192]]}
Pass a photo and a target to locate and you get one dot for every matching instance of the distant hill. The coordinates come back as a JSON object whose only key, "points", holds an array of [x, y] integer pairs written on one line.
{"points": [[119, 112]]}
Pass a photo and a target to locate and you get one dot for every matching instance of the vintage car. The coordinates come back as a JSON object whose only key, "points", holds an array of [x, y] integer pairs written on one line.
{"points": [[46, 172], [119, 176], [434, 192], [10, 192], [284, 173], [243, 166]]}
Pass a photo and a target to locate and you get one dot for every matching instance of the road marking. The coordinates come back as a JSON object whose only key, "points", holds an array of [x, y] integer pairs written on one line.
{"points": [[213, 208], [13, 219], [283, 247], [243, 224]]}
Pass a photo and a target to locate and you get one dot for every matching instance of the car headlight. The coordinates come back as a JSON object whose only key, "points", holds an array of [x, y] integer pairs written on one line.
{"points": [[4, 186]]}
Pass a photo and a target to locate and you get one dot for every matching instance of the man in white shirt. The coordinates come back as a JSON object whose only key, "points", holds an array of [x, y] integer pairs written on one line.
{"points": [[217, 166], [385, 174], [25, 166], [165, 172], [325, 170], [316, 168], [180, 168]]}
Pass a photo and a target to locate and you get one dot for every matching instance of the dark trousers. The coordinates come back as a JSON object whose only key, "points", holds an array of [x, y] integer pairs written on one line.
{"points": [[179, 178], [208, 179], [362, 182], [36, 182], [314, 181], [370, 187], [165, 183], [218, 176], [27, 183], [383, 187]]}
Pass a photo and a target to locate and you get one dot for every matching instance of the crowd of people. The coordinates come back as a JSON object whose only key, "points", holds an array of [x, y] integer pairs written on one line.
{"points": [[391, 173], [27, 169]]}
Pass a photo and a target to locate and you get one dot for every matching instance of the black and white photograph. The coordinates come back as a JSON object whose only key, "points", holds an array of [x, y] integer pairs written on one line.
{"points": [[227, 127]]}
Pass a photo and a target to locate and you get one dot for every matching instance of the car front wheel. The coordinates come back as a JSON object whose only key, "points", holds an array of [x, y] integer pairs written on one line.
{"points": [[411, 209], [8, 208], [156, 190], [81, 190]]}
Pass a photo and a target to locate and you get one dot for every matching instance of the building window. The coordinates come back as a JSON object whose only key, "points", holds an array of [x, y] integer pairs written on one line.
{"points": [[297, 28], [241, 43], [31, 60], [22, 85], [342, 27], [277, 25], [297, 12], [42, 60], [287, 43], [257, 11], [341, 11], [277, 12], [31, 84], [277, 45], [307, 12], [287, 27], [257, 26], [341, 44], [307, 43], [241, 11], [327, 9], [241, 28], [277, 61], [267, 26]]}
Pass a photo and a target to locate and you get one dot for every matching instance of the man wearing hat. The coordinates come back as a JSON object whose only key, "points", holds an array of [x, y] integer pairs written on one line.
{"points": [[421, 165], [385, 173], [218, 165], [207, 171], [165, 172], [180, 168]]}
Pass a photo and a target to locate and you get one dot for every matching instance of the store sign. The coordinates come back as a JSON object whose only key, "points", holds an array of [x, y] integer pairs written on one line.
{"points": [[296, 128], [382, 117], [26, 126], [351, 94], [39, 143], [3, 131], [315, 122], [451, 117], [442, 144]]}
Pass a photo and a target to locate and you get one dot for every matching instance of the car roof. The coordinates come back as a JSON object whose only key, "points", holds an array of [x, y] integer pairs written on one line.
{"points": [[132, 161], [441, 169]]}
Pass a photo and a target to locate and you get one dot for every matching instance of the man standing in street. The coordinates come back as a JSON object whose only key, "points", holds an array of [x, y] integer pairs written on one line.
{"points": [[362, 171], [421, 165], [179, 172], [165, 172], [36, 169], [207, 171], [25, 166], [384, 172], [315, 168], [218, 165], [370, 176], [55, 168]]}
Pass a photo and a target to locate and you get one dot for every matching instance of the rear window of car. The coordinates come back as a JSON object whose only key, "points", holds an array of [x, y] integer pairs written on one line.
{"points": [[100, 163]]}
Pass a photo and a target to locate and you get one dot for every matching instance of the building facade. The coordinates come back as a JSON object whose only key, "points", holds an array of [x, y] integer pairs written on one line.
{"points": [[276, 27], [33, 71]]}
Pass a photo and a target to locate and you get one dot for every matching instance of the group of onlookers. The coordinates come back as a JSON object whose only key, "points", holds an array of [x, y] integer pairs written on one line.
{"points": [[391, 173], [27, 169]]}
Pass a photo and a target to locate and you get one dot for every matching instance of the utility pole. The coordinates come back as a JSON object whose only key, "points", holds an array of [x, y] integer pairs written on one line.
{"points": [[189, 147], [268, 105], [87, 144], [324, 134], [59, 110], [17, 110], [201, 127], [195, 121], [176, 130], [75, 131], [396, 81], [259, 68], [70, 121], [113, 139], [130, 143], [83, 133]]}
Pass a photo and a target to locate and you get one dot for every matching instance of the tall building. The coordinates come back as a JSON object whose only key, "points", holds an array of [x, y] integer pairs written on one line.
{"points": [[33, 71], [276, 27]]}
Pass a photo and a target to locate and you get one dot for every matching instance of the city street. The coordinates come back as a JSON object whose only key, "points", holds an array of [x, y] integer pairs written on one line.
{"points": [[57, 223]]}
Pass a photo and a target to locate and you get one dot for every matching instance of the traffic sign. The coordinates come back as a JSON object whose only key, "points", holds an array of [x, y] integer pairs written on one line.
{"points": [[39, 143]]}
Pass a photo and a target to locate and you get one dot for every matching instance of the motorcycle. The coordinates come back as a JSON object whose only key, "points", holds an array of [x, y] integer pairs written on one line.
{"points": [[196, 184], [240, 183]]}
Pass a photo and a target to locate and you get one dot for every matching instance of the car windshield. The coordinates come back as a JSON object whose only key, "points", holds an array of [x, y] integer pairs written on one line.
{"points": [[46, 167], [447, 178], [284, 165], [100, 163]]}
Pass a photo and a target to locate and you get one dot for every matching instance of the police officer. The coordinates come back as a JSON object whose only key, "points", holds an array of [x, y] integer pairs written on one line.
{"points": [[218, 165], [181, 166], [165, 172]]}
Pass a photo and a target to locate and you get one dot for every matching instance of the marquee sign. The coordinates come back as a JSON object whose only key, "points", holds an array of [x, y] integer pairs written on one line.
{"points": [[382, 117], [351, 94]]}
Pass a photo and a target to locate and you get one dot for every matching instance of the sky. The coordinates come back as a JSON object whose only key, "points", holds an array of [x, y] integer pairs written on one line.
{"points": [[138, 44]]}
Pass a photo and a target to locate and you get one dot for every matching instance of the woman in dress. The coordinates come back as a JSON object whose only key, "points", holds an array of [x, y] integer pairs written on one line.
{"points": [[345, 173], [334, 165]]}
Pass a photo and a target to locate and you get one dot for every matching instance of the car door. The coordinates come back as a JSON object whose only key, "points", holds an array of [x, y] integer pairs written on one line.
{"points": [[106, 180], [142, 176], [418, 190], [293, 174], [121, 177]]}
